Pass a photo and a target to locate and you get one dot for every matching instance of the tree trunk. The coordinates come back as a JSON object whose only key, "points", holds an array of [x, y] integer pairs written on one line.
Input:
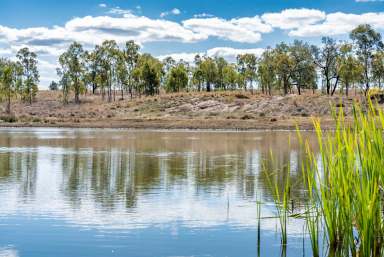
{"points": [[208, 86]]}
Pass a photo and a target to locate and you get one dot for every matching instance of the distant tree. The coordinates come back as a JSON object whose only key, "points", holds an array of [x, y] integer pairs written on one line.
{"points": [[326, 58], [230, 77], [247, 66], [266, 71], [367, 41], [10, 80], [109, 55], [208, 69], [53, 86], [197, 74], [148, 74], [177, 78], [131, 55], [72, 63], [303, 72], [283, 66], [221, 64], [378, 67], [350, 69], [30, 76]]}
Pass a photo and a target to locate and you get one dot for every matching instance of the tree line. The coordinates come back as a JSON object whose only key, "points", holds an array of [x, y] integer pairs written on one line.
{"points": [[115, 72]]}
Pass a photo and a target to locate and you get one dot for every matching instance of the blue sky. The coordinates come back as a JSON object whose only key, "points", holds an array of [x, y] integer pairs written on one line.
{"points": [[177, 28]]}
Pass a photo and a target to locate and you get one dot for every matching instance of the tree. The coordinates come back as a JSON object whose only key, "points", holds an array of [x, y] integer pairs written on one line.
{"points": [[148, 74], [197, 73], [230, 77], [266, 71], [378, 67], [10, 80], [283, 66], [28, 61], [349, 68], [325, 59], [131, 55], [53, 86], [177, 78], [208, 68], [367, 41], [72, 63], [247, 66], [221, 64], [109, 55], [303, 66]]}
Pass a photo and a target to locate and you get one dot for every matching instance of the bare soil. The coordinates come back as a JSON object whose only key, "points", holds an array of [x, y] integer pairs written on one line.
{"points": [[217, 110]]}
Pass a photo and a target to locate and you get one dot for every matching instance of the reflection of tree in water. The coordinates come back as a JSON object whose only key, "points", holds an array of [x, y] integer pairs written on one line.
{"points": [[112, 173]]}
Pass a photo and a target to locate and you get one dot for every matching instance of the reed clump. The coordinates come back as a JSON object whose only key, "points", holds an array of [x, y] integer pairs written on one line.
{"points": [[345, 183]]}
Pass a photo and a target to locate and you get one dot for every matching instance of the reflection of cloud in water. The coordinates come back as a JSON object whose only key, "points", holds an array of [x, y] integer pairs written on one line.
{"points": [[100, 181]]}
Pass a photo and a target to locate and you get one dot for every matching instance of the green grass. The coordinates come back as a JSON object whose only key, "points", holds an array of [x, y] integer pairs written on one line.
{"points": [[344, 181]]}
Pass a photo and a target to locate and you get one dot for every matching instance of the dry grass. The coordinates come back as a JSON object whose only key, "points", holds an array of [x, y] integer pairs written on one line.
{"points": [[216, 110]]}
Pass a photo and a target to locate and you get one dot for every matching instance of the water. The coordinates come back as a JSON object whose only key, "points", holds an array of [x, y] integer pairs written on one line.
{"points": [[82, 192]]}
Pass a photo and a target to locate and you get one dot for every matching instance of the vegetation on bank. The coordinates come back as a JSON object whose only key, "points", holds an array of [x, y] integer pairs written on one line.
{"points": [[113, 72], [344, 182]]}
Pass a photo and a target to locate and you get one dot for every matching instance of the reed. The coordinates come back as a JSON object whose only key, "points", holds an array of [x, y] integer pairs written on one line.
{"points": [[346, 186]]}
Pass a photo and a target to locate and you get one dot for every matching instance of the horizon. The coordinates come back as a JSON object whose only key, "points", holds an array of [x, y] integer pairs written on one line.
{"points": [[180, 30]]}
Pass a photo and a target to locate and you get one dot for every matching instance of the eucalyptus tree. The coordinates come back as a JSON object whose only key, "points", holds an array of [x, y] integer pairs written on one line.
{"points": [[177, 78], [10, 80], [247, 66], [30, 76], [349, 68], [266, 72], [230, 77], [326, 58], [378, 67], [221, 64], [367, 41], [148, 74], [73, 68], [109, 54], [197, 74], [121, 72], [209, 72], [92, 69], [131, 56], [283, 66], [303, 66]]}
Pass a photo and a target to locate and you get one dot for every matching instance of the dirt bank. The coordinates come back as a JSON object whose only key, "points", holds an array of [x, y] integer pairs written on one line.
{"points": [[223, 110]]}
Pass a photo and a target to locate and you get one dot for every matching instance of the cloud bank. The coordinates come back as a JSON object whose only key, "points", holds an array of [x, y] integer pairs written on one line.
{"points": [[122, 25]]}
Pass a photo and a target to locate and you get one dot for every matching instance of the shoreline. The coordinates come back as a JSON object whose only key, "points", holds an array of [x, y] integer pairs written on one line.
{"points": [[182, 125]]}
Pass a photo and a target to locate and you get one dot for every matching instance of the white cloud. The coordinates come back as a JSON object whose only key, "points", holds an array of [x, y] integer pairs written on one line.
{"points": [[174, 11], [102, 5], [228, 53], [245, 30], [293, 18], [339, 23]]}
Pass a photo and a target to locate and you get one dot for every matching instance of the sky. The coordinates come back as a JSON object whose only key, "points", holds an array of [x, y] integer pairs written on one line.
{"points": [[174, 28]]}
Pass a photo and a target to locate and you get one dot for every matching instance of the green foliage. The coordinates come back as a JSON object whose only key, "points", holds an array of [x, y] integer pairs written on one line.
{"points": [[72, 69], [10, 81], [177, 78], [367, 41], [148, 74], [30, 74]]}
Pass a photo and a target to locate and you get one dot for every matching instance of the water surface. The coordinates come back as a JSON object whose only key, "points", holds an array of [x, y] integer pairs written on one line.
{"points": [[83, 192]]}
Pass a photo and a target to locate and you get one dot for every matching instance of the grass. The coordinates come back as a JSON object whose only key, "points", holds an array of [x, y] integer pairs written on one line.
{"points": [[345, 186]]}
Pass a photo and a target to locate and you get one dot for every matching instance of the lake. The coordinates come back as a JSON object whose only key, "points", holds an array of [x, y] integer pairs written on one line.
{"points": [[104, 192]]}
